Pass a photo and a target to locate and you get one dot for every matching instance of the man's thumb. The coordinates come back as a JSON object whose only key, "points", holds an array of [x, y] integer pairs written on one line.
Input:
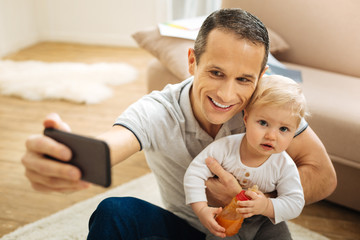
{"points": [[53, 120], [215, 167]]}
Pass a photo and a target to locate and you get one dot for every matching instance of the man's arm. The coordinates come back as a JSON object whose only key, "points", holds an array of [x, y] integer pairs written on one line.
{"points": [[317, 173], [122, 143], [47, 175]]}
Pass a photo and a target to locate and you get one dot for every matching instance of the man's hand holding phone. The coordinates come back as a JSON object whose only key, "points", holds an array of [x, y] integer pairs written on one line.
{"points": [[90, 155], [45, 174]]}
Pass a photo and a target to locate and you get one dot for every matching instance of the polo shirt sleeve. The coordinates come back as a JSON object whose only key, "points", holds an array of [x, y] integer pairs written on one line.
{"points": [[143, 118], [302, 127]]}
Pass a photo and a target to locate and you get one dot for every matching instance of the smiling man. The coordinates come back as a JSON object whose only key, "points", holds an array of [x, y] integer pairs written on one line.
{"points": [[225, 78], [175, 125]]}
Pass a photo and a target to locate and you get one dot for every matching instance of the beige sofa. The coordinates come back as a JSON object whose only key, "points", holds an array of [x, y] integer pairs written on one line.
{"points": [[319, 38]]}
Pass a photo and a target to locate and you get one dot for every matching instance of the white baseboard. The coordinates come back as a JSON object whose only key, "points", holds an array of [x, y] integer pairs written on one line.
{"points": [[97, 39]]}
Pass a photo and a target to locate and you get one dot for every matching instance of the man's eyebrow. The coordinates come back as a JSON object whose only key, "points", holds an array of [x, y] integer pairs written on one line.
{"points": [[249, 76], [217, 67]]}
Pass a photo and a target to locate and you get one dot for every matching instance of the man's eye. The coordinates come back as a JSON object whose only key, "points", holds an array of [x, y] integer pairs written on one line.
{"points": [[284, 129], [262, 122], [243, 80], [216, 73]]}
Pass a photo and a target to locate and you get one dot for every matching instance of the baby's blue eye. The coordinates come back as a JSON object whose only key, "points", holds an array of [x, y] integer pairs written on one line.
{"points": [[263, 123], [284, 129]]}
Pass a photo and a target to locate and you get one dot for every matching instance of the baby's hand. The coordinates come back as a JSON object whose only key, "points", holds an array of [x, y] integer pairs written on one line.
{"points": [[207, 218], [258, 204]]}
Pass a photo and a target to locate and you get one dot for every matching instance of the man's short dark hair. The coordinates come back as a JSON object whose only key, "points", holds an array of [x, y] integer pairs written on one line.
{"points": [[234, 20]]}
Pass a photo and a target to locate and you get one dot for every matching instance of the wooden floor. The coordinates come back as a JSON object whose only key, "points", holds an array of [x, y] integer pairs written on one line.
{"points": [[19, 204]]}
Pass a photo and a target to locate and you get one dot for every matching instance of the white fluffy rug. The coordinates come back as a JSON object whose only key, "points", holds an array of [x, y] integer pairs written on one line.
{"points": [[76, 82], [72, 223]]}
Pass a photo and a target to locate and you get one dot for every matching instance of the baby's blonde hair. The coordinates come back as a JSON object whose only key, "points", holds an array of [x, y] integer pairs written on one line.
{"points": [[279, 91]]}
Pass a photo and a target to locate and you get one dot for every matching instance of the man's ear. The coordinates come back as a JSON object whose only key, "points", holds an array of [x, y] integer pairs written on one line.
{"points": [[263, 72], [191, 61]]}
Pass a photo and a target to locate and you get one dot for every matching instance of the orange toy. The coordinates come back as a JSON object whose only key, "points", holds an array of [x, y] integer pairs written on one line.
{"points": [[229, 218]]}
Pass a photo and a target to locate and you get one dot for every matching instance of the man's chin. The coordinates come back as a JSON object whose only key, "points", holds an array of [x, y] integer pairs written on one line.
{"points": [[219, 118], [215, 120]]}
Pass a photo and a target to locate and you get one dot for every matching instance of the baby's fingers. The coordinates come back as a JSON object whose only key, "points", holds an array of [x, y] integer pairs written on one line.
{"points": [[217, 230], [247, 215], [246, 209], [245, 204]]}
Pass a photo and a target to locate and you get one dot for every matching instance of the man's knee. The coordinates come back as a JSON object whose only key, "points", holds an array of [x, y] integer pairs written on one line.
{"points": [[114, 209], [113, 218], [116, 204], [106, 205]]}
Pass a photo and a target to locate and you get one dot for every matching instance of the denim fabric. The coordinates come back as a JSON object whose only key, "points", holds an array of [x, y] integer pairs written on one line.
{"points": [[131, 218]]}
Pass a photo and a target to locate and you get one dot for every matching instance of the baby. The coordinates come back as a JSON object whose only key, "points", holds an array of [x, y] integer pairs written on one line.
{"points": [[256, 157]]}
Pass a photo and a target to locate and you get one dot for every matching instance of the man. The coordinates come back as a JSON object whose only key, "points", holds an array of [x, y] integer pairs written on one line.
{"points": [[173, 126]]}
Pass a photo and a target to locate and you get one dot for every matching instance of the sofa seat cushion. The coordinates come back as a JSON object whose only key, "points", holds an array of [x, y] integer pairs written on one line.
{"points": [[334, 104]]}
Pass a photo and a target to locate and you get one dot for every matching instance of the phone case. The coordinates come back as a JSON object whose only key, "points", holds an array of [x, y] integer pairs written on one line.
{"points": [[91, 156]]}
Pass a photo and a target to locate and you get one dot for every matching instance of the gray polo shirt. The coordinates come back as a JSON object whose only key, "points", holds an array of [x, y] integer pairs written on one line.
{"points": [[171, 137]]}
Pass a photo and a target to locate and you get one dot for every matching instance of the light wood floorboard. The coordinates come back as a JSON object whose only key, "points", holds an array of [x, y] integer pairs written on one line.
{"points": [[20, 204]]}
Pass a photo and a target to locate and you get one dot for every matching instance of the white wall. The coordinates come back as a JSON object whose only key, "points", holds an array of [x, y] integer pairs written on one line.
{"points": [[97, 21], [193, 8], [18, 27], [103, 22]]}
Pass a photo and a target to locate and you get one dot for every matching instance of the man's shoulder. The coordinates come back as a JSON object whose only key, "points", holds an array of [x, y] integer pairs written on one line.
{"points": [[171, 91]]}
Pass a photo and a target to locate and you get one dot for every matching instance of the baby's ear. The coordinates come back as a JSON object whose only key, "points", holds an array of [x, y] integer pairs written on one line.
{"points": [[245, 116]]}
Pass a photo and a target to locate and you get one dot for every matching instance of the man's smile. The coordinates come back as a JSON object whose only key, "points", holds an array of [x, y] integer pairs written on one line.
{"points": [[219, 104]]}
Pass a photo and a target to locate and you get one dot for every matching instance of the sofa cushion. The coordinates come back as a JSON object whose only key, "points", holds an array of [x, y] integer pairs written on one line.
{"points": [[172, 52], [321, 35], [158, 76], [333, 101]]}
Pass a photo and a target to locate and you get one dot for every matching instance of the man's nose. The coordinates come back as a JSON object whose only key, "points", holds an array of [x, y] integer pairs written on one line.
{"points": [[226, 91]]}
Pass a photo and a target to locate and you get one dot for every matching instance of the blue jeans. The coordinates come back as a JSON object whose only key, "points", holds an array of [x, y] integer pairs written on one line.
{"points": [[131, 218]]}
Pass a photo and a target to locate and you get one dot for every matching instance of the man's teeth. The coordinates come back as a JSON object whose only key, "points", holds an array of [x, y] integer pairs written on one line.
{"points": [[219, 105]]}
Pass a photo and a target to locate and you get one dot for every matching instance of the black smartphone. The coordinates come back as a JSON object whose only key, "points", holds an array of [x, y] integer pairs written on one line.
{"points": [[91, 156]]}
